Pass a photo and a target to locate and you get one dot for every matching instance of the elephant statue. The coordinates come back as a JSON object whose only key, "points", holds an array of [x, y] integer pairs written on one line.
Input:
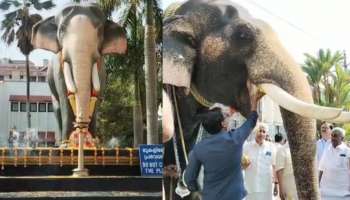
{"points": [[211, 49], [79, 35]]}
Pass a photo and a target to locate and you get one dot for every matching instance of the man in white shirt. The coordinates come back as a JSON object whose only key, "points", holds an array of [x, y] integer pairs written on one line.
{"points": [[285, 175], [324, 142], [259, 174], [334, 168]]}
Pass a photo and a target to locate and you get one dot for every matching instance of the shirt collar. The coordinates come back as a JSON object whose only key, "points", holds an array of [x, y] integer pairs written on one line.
{"points": [[341, 146], [256, 144]]}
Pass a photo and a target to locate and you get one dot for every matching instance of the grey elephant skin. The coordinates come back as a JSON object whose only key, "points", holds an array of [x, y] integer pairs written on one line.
{"points": [[217, 47], [79, 35]]}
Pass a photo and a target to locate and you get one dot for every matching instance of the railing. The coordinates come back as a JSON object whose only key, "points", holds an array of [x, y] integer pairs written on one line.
{"points": [[67, 156]]}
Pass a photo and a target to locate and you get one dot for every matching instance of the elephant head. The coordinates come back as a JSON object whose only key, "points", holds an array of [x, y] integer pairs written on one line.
{"points": [[82, 35], [213, 47]]}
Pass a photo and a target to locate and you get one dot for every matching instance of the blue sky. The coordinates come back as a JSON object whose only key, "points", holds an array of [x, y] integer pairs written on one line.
{"points": [[302, 26]]}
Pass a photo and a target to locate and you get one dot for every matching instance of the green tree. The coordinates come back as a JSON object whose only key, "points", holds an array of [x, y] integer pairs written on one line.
{"points": [[132, 14], [330, 81], [340, 88], [320, 76], [18, 24]]}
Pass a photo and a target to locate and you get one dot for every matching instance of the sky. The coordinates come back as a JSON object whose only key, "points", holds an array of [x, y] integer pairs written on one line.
{"points": [[302, 26], [37, 55]]}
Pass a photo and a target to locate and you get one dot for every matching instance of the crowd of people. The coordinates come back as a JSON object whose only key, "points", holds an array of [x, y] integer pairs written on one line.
{"points": [[261, 169]]}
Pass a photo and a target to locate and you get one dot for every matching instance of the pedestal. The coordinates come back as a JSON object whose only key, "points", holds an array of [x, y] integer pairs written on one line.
{"points": [[80, 171]]}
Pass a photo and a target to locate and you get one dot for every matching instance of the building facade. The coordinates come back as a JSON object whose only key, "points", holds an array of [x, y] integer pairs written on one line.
{"points": [[13, 116]]}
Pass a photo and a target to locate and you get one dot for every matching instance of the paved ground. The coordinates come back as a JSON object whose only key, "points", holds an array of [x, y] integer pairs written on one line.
{"points": [[55, 194]]}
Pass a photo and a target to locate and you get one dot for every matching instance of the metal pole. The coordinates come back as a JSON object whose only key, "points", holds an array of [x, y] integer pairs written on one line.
{"points": [[81, 151]]}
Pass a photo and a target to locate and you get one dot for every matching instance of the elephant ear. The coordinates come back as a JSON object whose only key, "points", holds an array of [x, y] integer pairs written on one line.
{"points": [[179, 51], [114, 41], [44, 35]]}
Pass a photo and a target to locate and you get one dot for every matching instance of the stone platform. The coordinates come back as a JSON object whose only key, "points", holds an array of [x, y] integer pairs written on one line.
{"points": [[46, 173], [92, 187]]}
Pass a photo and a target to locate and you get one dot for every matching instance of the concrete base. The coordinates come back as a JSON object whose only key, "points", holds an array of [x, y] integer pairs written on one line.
{"points": [[80, 172], [81, 184]]}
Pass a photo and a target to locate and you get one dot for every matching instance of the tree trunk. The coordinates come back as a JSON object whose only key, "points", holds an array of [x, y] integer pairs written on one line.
{"points": [[28, 92], [151, 76], [137, 114]]}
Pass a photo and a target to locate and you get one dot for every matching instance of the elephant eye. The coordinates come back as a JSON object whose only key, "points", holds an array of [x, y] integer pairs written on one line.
{"points": [[185, 38], [244, 33]]}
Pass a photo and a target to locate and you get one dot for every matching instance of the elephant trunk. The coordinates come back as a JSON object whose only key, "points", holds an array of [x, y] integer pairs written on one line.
{"points": [[270, 56], [82, 75]]}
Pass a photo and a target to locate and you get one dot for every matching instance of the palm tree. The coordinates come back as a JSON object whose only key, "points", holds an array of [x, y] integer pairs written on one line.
{"points": [[18, 23], [151, 75], [341, 88], [134, 12], [320, 75]]}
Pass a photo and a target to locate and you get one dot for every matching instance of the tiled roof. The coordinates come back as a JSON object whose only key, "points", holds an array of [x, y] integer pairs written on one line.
{"points": [[32, 98]]}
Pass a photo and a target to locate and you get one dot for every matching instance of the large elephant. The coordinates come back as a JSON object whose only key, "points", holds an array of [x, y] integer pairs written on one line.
{"points": [[211, 49], [79, 35]]}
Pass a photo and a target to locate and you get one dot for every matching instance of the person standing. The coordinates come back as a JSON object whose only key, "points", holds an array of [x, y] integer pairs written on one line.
{"points": [[11, 139], [259, 175], [221, 155], [285, 175], [324, 142], [334, 168]]}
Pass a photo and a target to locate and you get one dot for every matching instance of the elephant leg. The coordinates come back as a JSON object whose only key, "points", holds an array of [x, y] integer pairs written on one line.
{"points": [[67, 118], [302, 141], [55, 98]]}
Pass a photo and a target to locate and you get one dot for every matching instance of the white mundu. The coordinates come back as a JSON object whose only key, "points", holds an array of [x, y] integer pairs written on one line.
{"points": [[258, 175], [284, 162], [335, 181]]}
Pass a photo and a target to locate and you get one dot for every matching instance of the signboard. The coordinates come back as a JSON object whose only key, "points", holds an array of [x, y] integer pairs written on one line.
{"points": [[151, 159]]}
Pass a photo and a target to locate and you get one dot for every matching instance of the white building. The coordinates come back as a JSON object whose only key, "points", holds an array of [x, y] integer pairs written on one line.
{"points": [[271, 115], [13, 107]]}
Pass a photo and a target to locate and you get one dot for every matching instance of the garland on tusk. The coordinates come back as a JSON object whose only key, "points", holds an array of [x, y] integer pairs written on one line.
{"points": [[92, 105]]}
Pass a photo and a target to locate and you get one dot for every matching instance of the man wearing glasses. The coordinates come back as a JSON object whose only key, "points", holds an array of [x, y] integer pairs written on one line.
{"points": [[259, 175], [324, 142]]}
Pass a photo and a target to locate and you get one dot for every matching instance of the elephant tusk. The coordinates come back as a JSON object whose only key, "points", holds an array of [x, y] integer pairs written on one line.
{"points": [[168, 118], [344, 117], [95, 78], [297, 106], [68, 78]]}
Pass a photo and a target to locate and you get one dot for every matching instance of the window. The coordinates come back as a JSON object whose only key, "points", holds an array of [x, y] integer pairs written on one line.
{"points": [[23, 107], [33, 107], [1, 77], [42, 107], [41, 79], [32, 79], [21, 77], [14, 106], [46, 138], [10, 76], [49, 107]]}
